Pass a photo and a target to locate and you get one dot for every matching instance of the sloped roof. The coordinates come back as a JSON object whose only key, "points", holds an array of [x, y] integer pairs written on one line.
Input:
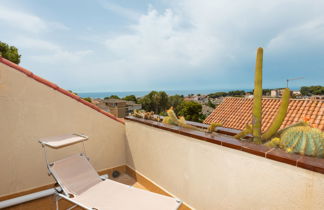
{"points": [[57, 88], [237, 112]]}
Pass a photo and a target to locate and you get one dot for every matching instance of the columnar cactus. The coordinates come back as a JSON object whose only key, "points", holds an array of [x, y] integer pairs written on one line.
{"points": [[258, 137], [281, 114], [257, 100]]}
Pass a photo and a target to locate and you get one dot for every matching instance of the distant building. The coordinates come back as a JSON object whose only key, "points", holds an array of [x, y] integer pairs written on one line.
{"points": [[277, 93], [131, 106], [118, 107], [248, 95], [317, 97], [197, 98]]}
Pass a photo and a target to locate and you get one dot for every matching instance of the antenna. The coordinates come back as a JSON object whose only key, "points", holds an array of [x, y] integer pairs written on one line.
{"points": [[297, 78]]}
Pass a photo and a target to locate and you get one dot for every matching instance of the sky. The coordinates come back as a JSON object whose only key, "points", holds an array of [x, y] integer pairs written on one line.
{"points": [[127, 45]]}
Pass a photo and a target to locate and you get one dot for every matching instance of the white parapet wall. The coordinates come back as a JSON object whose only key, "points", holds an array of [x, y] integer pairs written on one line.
{"points": [[208, 176], [31, 110]]}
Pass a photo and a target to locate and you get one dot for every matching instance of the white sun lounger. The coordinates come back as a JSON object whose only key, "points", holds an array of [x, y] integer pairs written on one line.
{"points": [[82, 185]]}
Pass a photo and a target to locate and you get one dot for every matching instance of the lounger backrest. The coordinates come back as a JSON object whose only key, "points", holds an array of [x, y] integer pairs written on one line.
{"points": [[74, 174]]}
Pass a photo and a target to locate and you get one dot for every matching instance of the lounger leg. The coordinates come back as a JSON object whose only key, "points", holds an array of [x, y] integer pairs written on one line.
{"points": [[72, 207], [56, 201]]}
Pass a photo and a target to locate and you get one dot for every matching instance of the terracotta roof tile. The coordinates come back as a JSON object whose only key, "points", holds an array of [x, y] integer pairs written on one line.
{"points": [[237, 112], [55, 87]]}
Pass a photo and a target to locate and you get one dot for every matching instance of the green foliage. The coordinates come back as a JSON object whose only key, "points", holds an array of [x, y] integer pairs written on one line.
{"points": [[73, 92], [236, 93], [303, 140], [279, 118], [112, 96], [9, 52], [175, 101], [312, 90], [155, 101], [172, 119], [87, 99], [130, 98], [191, 111], [257, 100], [158, 102], [266, 92], [210, 104], [217, 94]]}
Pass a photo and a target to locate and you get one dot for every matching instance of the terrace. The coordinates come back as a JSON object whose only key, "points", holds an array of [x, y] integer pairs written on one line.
{"points": [[206, 171]]}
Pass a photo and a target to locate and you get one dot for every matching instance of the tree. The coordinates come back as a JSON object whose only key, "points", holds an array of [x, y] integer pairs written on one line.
{"points": [[237, 93], [266, 92], [112, 96], [191, 111], [175, 102], [73, 92], [217, 94], [210, 104], [87, 99], [155, 101], [9, 52], [312, 90], [130, 98]]}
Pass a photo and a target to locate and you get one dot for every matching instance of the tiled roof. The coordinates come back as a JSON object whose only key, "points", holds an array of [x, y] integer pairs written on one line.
{"points": [[57, 88], [237, 112]]}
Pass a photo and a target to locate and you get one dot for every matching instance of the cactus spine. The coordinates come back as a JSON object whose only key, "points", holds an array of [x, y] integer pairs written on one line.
{"points": [[281, 114], [257, 100]]}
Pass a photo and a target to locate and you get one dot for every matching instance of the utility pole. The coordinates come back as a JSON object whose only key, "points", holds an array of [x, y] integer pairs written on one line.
{"points": [[298, 78]]}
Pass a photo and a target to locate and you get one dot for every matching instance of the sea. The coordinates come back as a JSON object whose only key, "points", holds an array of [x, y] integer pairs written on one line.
{"points": [[122, 94], [143, 93]]}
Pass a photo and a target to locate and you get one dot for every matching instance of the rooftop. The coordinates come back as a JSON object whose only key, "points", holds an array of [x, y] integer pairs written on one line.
{"points": [[236, 112], [205, 170]]}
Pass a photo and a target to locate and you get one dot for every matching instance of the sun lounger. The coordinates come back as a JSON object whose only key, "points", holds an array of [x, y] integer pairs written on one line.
{"points": [[82, 185]]}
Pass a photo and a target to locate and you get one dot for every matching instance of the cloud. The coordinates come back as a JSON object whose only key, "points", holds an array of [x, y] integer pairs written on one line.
{"points": [[21, 20], [42, 51], [122, 11], [25, 21], [310, 32], [160, 40], [61, 56], [188, 44], [199, 40]]}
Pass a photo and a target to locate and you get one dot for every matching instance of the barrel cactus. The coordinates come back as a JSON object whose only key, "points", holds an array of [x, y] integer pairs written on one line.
{"points": [[303, 140]]}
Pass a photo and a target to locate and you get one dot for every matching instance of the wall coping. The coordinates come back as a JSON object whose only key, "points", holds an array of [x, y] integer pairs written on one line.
{"points": [[223, 137]]}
